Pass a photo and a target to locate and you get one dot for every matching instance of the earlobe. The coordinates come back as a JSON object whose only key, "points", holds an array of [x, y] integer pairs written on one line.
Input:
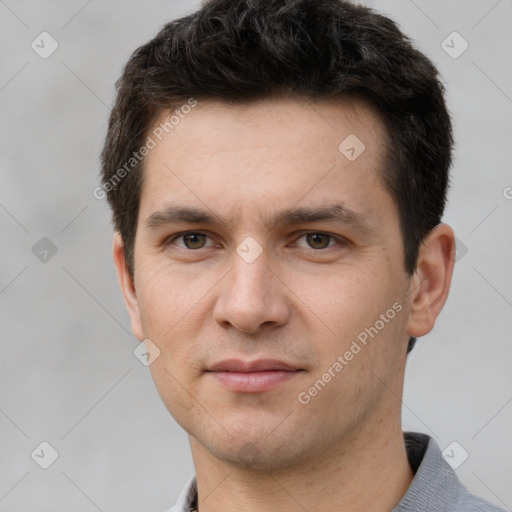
{"points": [[432, 279], [127, 286]]}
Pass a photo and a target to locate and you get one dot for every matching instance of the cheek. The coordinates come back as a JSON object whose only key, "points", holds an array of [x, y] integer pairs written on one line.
{"points": [[175, 388], [345, 298], [168, 319], [172, 313], [354, 311], [165, 299]]}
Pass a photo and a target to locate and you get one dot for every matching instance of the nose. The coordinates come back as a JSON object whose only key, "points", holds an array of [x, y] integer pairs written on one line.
{"points": [[251, 296]]}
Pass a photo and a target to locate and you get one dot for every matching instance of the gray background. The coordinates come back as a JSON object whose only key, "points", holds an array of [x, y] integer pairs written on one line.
{"points": [[68, 374]]}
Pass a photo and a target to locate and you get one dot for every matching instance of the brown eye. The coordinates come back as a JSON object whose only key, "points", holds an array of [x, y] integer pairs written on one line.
{"points": [[195, 240], [190, 240], [318, 240], [322, 243]]}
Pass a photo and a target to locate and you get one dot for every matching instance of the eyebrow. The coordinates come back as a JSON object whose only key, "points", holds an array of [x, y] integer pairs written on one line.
{"points": [[336, 212]]}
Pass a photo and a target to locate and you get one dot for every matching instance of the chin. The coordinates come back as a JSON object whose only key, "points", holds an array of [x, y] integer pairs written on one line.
{"points": [[263, 455]]}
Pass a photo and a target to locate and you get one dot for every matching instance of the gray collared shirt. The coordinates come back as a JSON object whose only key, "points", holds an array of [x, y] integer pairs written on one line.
{"points": [[435, 487]]}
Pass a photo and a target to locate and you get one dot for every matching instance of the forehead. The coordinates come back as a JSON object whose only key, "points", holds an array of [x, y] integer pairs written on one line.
{"points": [[234, 159], [266, 118]]}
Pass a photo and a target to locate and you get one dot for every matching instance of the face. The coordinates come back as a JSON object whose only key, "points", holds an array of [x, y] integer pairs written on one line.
{"points": [[293, 253]]}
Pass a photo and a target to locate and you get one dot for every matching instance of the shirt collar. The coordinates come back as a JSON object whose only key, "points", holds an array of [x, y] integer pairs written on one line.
{"points": [[435, 487], [187, 500]]}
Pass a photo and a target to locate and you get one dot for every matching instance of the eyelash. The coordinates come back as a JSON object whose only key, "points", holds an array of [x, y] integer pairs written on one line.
{"points": [[340, 240]]}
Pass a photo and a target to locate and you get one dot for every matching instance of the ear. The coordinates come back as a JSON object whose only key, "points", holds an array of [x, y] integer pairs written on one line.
{"points": [[431, 280], [127, 286]]}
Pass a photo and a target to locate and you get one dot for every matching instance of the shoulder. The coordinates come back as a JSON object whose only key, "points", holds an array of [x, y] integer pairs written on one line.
{"points": [[468, 502], [436, 487]]}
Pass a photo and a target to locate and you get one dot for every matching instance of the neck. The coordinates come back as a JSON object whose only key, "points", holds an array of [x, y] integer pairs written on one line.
{"points": [[368, 470]]}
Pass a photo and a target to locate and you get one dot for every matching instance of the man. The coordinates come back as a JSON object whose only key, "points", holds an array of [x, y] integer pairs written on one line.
{"points": [[278, 172]]}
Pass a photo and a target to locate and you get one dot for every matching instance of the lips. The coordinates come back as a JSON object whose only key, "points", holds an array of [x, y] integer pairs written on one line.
{"points": [[252, 376], [261, 365]]}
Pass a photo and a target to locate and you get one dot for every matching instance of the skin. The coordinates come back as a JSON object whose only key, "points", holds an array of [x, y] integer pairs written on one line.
{"points": [[302, 301]]}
